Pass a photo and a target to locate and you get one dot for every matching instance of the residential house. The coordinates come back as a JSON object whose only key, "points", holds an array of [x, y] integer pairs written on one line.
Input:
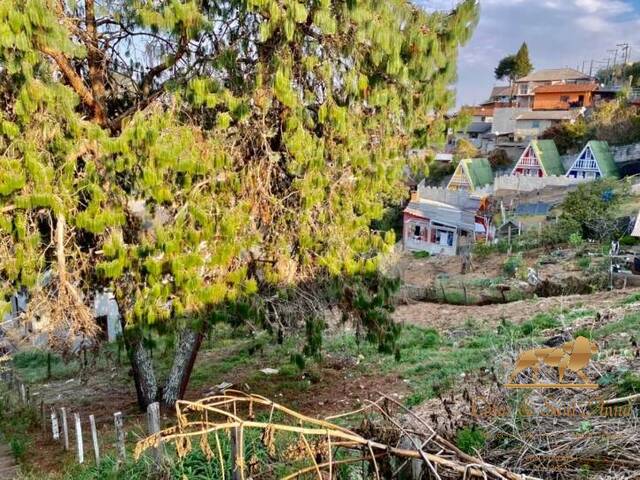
{"points": [[438, 227], [526, 86], [564, 96], [594, 161], [539, 159], [530, 125], [501, 96], [471, 175], [480, 113]]}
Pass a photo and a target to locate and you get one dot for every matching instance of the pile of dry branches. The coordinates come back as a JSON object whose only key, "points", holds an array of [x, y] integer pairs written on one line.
{"points": [[380, 446]]}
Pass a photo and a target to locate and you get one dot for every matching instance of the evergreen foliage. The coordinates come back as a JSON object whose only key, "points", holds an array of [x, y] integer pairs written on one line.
{"points": [[203, 152], [522, 63], [515, 66]]}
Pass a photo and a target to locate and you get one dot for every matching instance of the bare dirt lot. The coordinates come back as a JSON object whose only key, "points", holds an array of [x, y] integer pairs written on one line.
{"points": [[444, 317]]}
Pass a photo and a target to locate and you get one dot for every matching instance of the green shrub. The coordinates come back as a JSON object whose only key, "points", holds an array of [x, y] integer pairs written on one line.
{"points": [[512, 264], [584, 263], [470, 439], [629, 241], [576, 240], [421, 254], [482, 250], [18, 445], [628, 384]]}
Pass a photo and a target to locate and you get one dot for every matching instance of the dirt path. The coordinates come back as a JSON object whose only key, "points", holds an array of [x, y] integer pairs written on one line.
{"points": [[8, 467], [444, 317]]}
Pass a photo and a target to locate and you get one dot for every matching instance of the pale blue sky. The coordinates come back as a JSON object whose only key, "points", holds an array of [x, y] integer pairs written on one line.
{"points": [[560, 33]]}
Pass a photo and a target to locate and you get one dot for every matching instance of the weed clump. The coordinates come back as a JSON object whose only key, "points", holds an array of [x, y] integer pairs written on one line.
{"points": [[470, 439]]}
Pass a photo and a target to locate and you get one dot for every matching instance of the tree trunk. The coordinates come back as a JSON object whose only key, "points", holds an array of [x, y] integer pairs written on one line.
{"points": [[187, 347], [144, 375]]}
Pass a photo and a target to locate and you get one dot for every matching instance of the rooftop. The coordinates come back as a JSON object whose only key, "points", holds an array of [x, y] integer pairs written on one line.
{"points": [[478, 127], [556, 115], [502, 91], [554, 74], [567, 88]]}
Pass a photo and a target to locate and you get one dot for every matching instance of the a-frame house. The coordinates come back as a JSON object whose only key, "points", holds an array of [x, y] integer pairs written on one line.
{"points": [[539, 159], [595, 161], [471, 174]]}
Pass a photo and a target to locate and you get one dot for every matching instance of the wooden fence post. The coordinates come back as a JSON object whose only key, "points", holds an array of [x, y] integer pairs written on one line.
{"points": [[80, 445], [23, 393], [120, 447], [94, 438], [65, 428], [54, 425], [153, 427], [43, 419]]}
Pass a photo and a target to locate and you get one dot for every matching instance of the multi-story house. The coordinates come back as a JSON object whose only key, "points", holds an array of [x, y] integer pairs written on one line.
{"points": [[525, 87]]}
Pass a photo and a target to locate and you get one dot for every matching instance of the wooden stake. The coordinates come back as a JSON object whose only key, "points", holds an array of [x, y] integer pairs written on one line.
{"points": [[80, 445], [120, 447], [65, 428], [23, 393], [94, 438], [153, 427], [55, 430]]}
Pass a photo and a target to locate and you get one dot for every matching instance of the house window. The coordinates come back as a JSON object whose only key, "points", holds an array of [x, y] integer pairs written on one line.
{"points": [[535, 124], [564, 98], [524, 89], [416, 231]]}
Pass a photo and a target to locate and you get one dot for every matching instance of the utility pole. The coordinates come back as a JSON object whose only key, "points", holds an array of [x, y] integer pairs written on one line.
{"points": [[591, 68], [615, 63], [625, 50]]}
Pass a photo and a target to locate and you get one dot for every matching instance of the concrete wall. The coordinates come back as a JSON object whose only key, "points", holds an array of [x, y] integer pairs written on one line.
{"points": [[504, 120], [626, 153], [529, 184], [527, 128]]}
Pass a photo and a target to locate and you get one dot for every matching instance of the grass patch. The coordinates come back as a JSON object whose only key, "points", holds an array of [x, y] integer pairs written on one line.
{"points": [[633, 298], [540, 322], [421, 254], [31, 366], [629, 323]]}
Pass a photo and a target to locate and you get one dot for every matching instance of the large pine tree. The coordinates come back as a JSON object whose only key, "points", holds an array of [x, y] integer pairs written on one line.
{"points": [[522, 65], [187, 154]]}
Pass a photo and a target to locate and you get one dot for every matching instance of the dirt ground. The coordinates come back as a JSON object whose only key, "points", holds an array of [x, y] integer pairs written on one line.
{"points": [[446, 317], [425, 272]]}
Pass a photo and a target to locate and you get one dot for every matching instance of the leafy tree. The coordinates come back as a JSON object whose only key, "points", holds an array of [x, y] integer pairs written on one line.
{"points": [[498, 158], [196, 158], [506, 68], [465, 149], [616, 122], [594, 208], [569, 137]]}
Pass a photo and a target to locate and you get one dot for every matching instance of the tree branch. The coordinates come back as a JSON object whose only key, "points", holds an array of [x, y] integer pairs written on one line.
{"points": [[147, 81], [76, 83], [96, 68]]}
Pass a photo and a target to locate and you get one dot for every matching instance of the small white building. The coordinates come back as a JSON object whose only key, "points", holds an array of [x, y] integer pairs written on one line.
{"points": [[440, 222]]}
